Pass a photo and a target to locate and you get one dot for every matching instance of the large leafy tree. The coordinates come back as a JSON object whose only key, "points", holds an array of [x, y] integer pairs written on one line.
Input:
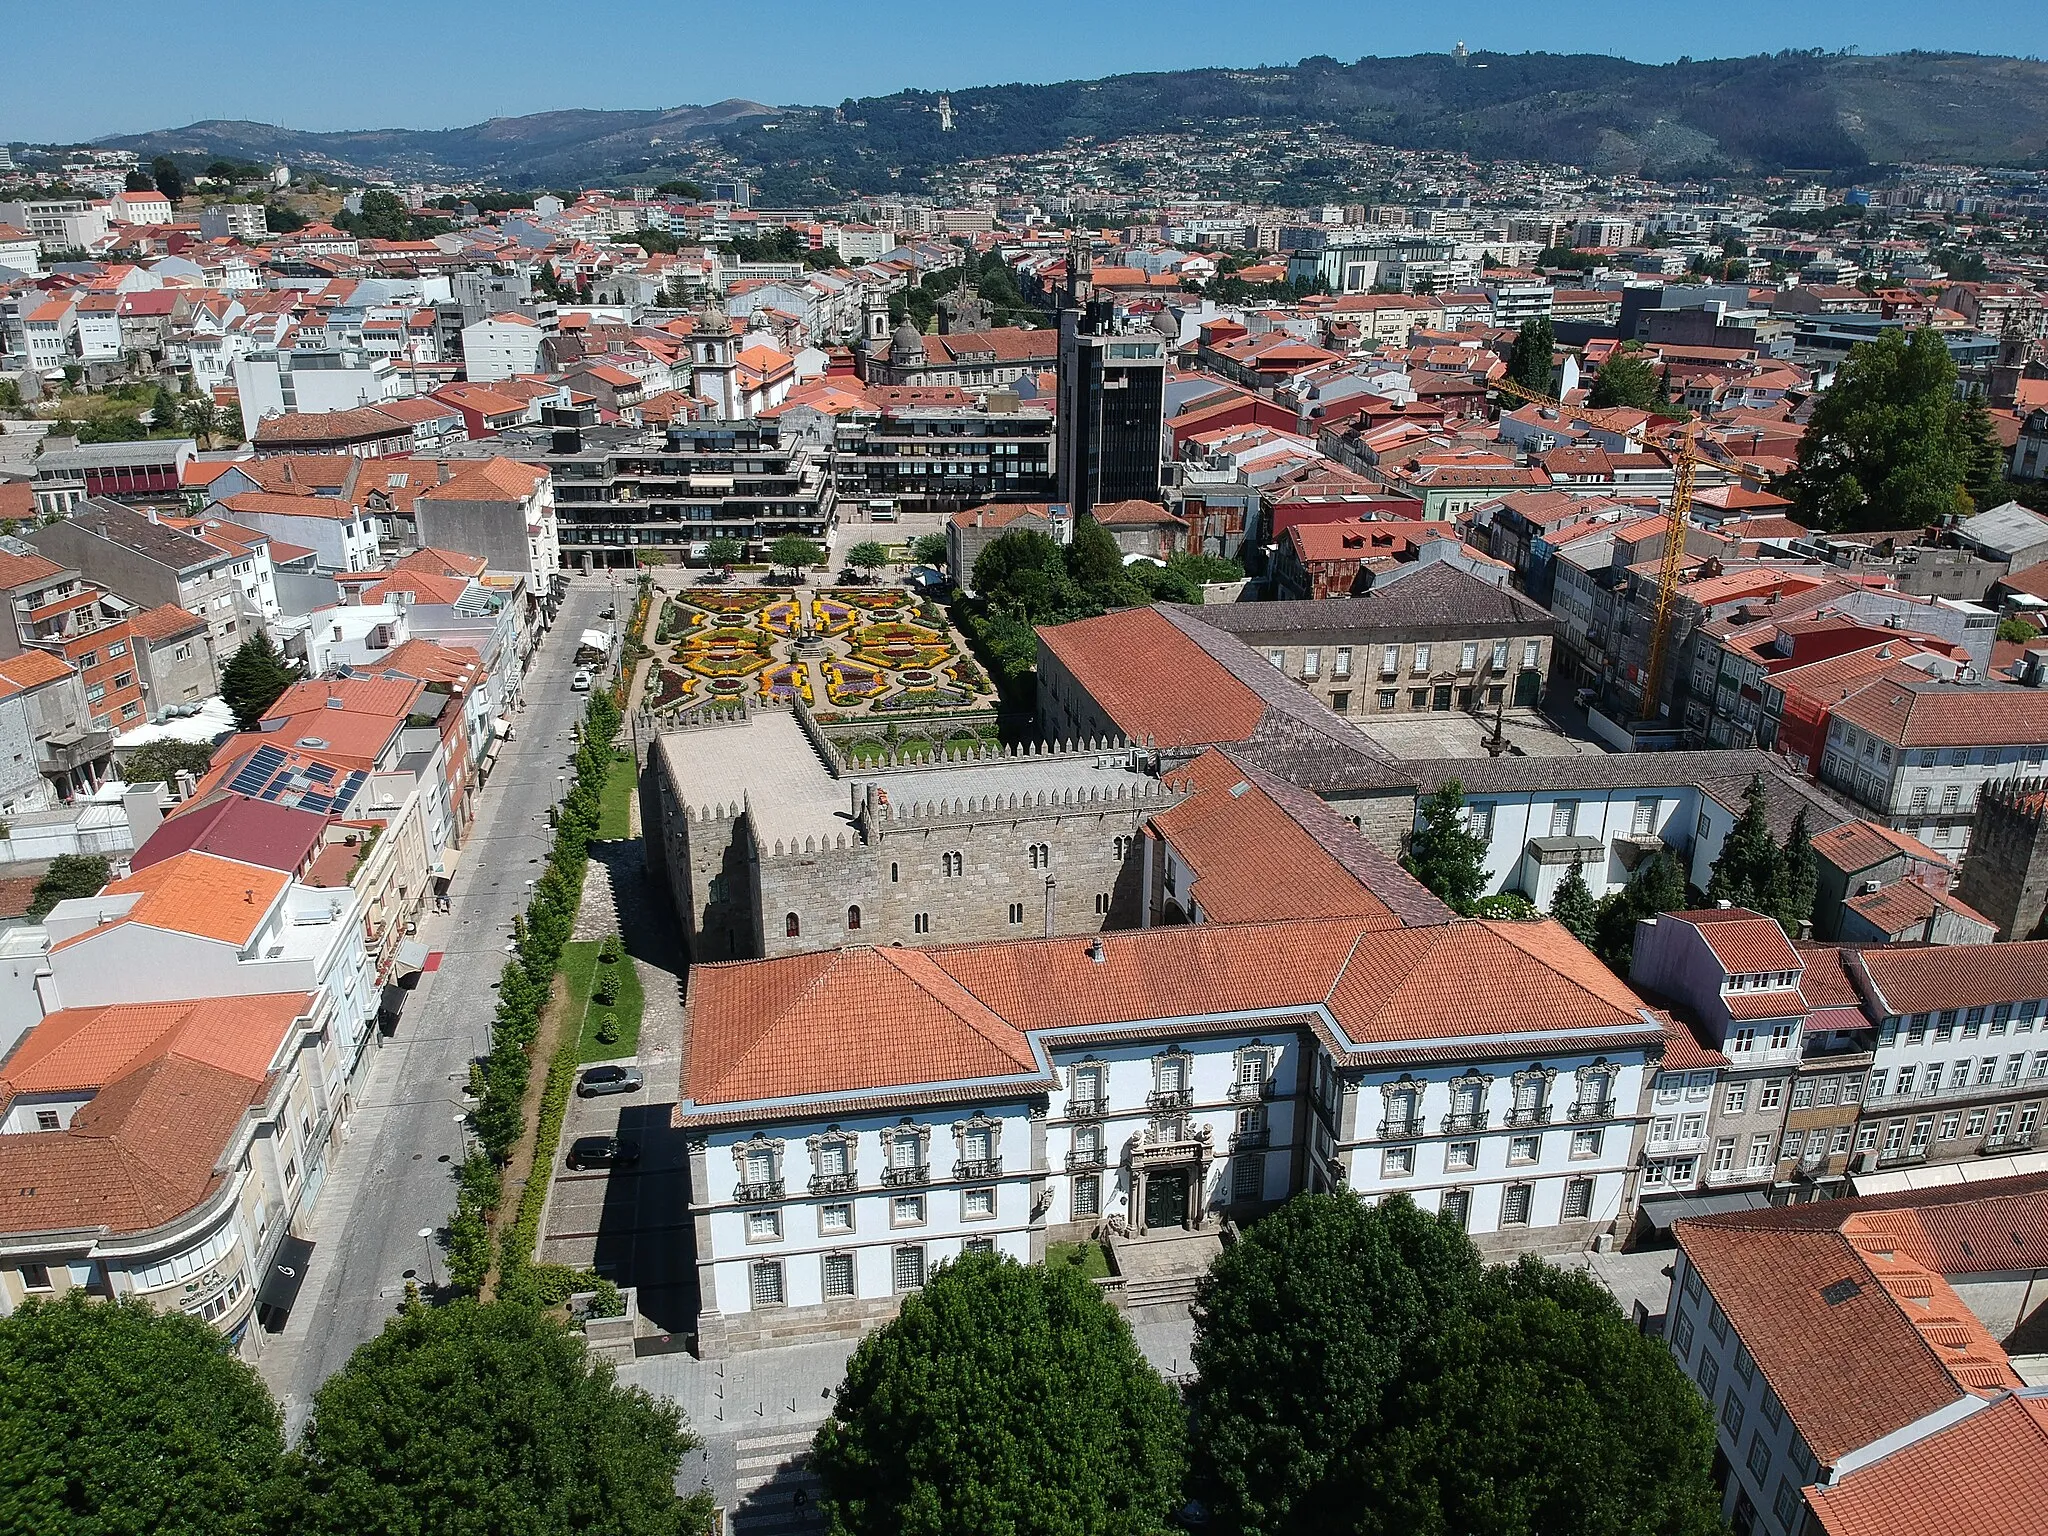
{"points": [[256, 674], [170, 181], [867, 556], [162, 761], [1747, 868], [475, 1418], [1024, 573], [1301, 1330], [1444, 853], [69, 876], [1890, 445], [1626, 378], [1002, 1398], [1659, 886], [116, 1419], [795, 553], [1537, 1408]]}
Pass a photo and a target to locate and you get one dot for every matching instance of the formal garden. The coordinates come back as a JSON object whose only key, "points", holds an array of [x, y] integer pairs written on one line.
{"points": [[848, 652]]}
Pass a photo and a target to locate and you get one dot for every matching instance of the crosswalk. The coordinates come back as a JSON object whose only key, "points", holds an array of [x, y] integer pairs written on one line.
{"points": [[774, 1491]]}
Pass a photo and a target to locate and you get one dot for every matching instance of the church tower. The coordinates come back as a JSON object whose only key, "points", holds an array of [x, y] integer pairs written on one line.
{"points": [[714, 366]]}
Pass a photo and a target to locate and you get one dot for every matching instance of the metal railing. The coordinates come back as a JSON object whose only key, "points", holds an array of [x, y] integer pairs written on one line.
{"points": [[1593, 1109], [978, 1168], [1464, 1120], [1536, 1115], [903, 1178], [834, 1183], [1095, 1108], [1262, 1089], [1170, 1098], [1252, 1136], [1083, 1161], [1402, 1130], [761, 1189]]}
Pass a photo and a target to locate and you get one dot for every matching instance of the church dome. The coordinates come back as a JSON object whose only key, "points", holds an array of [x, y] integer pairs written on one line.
{"points": [[907, 345]]}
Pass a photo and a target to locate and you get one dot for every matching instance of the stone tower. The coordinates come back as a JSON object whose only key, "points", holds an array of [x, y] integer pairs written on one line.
{"points": [[714, 368], [2005, 871]]}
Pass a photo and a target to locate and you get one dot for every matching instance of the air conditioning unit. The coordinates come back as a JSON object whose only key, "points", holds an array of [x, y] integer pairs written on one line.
{"points": [[1863, 1162], [1872, 887]]}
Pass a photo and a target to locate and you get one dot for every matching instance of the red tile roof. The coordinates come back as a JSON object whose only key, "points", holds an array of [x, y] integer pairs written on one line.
{"points": [[166, 621], [195, 893], [1907, 708], [1984, 1476], [1858, 845], [876, 1021], [236, 827], [1741, 940], [1903, 981], [1153, 681]]}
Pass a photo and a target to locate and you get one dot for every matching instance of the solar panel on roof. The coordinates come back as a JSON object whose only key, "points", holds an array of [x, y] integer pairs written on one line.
{"points": [[321, 773], [316, 803], [1841, 1291], [276, 791]]}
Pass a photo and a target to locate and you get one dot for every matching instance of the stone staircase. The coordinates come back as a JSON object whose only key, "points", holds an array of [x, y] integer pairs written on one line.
{"points": [[1162, 1269]]}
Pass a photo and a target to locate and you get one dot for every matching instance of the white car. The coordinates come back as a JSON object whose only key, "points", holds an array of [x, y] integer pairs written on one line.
{"points": [[580, 683]]}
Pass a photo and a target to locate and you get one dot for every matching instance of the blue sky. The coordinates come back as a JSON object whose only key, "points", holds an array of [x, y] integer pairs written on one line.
{"points": [[80, 68]]}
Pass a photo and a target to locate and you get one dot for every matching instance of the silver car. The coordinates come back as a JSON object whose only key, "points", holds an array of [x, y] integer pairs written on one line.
{"points": [[601, 1080]]}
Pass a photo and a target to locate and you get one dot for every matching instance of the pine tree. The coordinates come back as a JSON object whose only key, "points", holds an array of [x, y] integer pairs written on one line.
{"points": [[1659, 886], [1984, 456], [254, 678], [1798, 881], [1529, 363], [1444, 853], [1746, 873], [1572, 904]]}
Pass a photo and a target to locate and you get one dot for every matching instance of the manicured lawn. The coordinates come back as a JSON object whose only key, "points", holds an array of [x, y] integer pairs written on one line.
{"points": [[1092, 1259], [581, 970], [614, 805]]}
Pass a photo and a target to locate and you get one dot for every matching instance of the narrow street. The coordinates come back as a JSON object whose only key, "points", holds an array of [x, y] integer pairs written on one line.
{"points": [[393, 1176]]}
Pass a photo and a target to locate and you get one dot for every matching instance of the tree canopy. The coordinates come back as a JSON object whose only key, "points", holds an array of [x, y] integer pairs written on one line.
{"points": [[1444, 853], [162, 761], [1753, 871], [1572, 904], [1359, 1372], [1004, 1397], [116, 1419], [70, 876], [1658, 886], [474, 1418], [1890, 445], [1529, 362], [170, 181], [868, 555], [793, 552], [1626, 378], [254, 678]]}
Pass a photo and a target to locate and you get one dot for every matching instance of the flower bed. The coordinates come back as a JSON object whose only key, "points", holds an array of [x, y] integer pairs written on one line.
{"points": [[730, 660], [728, 687], [881, 601], [743, 600], [666, 686], [832, 618], [786, 681], [847, 684], [922, 698]]}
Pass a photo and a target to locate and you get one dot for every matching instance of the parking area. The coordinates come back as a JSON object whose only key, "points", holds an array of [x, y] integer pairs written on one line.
{"points": [[629, 1223]]}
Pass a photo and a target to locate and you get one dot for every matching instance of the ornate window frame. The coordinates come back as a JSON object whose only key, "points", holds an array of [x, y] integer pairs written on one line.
{"points": [[1407, 1082], [823, 1183], [760, 1141], [1593, 1084], [907, 1130], [978, 1168]]}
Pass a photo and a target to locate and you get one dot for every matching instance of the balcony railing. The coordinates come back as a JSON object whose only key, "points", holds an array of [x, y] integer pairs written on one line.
{"points": [[1170, 1098], [1902, 1157], [2011, 1141], [904, 1178], [1401, 1130], [1252, 1136], [1082, 1161], [763, 1189], [1262, 1089], [1464, 1120], [834, 1183], [978, 1168], [1593, 1109], [1079, 1108], [1535, 1115]]}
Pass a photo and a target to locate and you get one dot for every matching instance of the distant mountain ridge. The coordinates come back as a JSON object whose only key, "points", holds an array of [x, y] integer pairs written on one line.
{"points": [[1820, 113]]}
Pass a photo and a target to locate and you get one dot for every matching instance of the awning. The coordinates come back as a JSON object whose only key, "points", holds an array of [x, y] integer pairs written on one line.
{"points": [[390, 1006], [280, 1287], [412, 956], [1660, 1211], [501, 725], [445, 863]]}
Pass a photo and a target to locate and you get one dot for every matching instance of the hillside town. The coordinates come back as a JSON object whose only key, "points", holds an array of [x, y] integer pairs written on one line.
{"points": [[710, 771]]}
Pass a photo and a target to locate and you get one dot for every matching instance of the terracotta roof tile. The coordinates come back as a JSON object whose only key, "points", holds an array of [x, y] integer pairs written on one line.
{"points": [[1743, 941], [196, 893], [1952, 976], [1153, 680], [1984, 1476], [1855, 846]]}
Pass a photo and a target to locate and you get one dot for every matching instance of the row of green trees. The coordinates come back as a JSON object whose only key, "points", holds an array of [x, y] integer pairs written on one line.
{"points": [[1357, 1370], [1752, 870], [1025, 579], [117, 1420]]}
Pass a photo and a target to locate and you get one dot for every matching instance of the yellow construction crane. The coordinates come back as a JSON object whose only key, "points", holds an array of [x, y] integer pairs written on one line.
{"points": [[1683, 463]]}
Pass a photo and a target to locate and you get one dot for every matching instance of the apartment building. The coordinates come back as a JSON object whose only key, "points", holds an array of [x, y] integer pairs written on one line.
{"points": [[743, 480], [1432, 640], [907, 458], [150, 563], [1917, 750], [1853, 1356]]}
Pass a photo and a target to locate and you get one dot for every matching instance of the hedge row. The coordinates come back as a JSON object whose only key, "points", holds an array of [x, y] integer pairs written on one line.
{"points": [[500, 1080]]}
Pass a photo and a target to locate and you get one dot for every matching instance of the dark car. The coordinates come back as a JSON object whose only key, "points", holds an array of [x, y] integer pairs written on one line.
{"points": [[609, 1080], [608, 612], [603, 1152]]}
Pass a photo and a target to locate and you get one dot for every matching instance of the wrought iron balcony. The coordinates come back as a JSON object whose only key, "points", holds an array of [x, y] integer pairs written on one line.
{"points": [[1465, 1120], [1252, 1136], [1262, 1089], [1538, 1115], [1593, 1109], [904, 1178], [978, 1168], [2011, 1141], [1401, 1130], [1080, 1108], [1083, 1161], [1170, 1098], [834, 1183], [763, 1189]]}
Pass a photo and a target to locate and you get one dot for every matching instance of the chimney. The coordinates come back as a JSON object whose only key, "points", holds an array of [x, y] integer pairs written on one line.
{"points": [[1096, 951], [287, 471], [442, 476]]}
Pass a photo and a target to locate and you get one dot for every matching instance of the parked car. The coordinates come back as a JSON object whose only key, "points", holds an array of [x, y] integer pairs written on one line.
{"points": [[608, 612], [603, 1152], [599, 1080], [580, 683]]}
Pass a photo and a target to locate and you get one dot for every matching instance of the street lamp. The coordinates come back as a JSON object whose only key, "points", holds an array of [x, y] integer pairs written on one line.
{"points": [[427, 1242]]}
